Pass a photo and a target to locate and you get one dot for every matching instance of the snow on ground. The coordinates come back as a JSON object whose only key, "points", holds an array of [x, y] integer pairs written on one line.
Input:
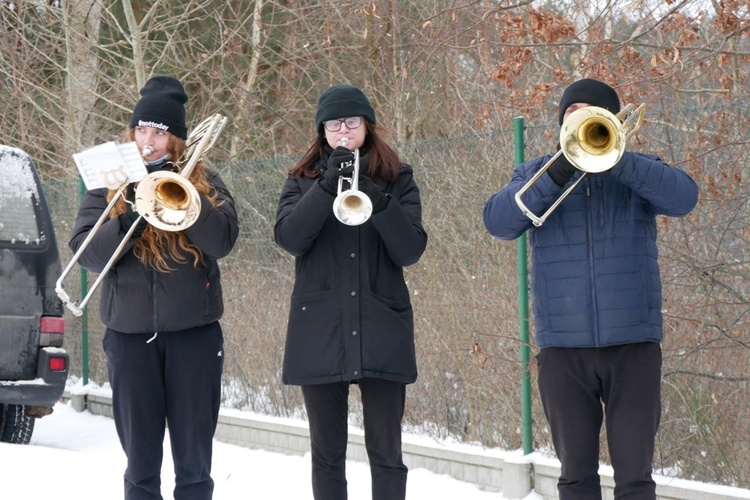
{"points": [[78, 456]]}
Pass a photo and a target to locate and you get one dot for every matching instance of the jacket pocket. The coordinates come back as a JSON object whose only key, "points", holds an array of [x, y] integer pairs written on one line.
{"points": [[388, 337], [314, 345]]}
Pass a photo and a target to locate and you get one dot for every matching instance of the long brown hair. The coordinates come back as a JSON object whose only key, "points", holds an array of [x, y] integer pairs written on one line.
{"points": [[384, 161], [154, 244]]}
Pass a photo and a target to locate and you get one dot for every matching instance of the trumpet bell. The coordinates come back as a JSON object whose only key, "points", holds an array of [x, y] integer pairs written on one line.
{"points": [[592, 139], [352, 207], [167, 201]]}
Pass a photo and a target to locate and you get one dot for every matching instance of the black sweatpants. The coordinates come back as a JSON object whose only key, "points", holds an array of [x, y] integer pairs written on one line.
{"points": [[173, 379], [578, 387], [327, 413]]}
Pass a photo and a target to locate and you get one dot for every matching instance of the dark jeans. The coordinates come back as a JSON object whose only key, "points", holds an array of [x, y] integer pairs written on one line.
{"points": [[577, 388], [327, 413], [174, 379]]}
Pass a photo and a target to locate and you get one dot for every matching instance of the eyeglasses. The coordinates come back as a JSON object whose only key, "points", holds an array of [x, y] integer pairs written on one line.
{"points": [[335, 125]]}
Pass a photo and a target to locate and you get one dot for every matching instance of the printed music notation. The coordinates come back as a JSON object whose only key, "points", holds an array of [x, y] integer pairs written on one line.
{"points": [[110, 165]]}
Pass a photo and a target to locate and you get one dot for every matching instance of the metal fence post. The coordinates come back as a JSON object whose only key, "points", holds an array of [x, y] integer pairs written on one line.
{"points": [[523, 308], [85, 316]]}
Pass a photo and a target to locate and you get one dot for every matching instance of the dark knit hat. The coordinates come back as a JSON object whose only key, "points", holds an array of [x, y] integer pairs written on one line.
{"points": [[341, 101], [162, 106], [591, 92]]}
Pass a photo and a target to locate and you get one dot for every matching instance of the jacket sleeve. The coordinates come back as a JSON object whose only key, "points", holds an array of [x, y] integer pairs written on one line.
{"points": [[104, 242], [400, 224], [300, 217], [670, 191], [503, 218], [216, 230]]}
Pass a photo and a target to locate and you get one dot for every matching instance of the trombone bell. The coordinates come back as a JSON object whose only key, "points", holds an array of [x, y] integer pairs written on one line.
{"points": [[167, 201], [172, 194], [593, 140]]}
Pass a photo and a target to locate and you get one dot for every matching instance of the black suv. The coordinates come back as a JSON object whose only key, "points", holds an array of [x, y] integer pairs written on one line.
{"points": [[33, 364]]}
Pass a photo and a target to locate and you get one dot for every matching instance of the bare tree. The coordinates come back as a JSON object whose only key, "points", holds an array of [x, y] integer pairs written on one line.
{"points": [[446, 79]]}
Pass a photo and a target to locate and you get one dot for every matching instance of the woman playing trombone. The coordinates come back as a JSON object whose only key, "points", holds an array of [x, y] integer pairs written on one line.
{"points": [[161, 303], [350, 318]]}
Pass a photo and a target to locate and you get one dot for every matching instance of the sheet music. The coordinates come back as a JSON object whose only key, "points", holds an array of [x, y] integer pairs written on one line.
{"points": [[110, 165]]}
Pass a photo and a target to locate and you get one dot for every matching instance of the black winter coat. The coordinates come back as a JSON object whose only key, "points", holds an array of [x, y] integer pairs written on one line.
{"points": [[137, 299], [350, 314]]}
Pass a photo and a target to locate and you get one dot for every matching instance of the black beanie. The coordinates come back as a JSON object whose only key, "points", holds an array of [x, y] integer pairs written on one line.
{"points": [[343, 101], [591, 92], [162, 106]]}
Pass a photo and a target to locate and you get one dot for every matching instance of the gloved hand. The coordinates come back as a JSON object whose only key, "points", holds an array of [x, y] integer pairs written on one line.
{"points": [[129, 216], [341, 162], [377, 196], [561, 171]]}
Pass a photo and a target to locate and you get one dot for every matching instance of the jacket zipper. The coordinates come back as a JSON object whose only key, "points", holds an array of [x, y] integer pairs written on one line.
{"points": [[600, 190], [155, 301], [592, 268]]}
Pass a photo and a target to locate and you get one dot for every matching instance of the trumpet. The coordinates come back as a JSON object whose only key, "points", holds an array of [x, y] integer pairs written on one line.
{"points": [[593, 140], [351, 206], [167, 200]]}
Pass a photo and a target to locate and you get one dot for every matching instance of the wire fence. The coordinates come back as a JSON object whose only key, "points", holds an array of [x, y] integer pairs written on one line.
{"points": [[464, 292]]}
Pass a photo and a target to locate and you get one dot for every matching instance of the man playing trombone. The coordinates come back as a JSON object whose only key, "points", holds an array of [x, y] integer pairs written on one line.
{"points": [[596, 289], [161, 303]]}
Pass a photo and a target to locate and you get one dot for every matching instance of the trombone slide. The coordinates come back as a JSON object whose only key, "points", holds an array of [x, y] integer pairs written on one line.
{"points": [[77, 310]]}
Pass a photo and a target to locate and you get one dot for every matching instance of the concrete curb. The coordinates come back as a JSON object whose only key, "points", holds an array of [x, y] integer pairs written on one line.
{"points": [[509, 473]]}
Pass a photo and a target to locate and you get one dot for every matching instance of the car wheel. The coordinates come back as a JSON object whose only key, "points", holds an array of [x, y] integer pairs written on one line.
{"points": [[15, 426]]}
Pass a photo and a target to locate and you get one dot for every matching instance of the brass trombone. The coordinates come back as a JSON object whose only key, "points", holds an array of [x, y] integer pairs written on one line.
{"points": [[351, 206], [593, 140], [167, 200]]}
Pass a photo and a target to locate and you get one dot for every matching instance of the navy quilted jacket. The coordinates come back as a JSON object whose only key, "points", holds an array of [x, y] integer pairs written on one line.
{"points": [[594, 272]]}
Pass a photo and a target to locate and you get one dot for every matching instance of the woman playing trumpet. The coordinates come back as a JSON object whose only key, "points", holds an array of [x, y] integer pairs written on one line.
{"points": [[350, 319], [161, 304]]}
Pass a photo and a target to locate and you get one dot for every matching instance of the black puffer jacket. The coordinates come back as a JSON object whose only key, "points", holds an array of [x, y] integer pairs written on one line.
{"points": [[350, 315], [137, 299]]}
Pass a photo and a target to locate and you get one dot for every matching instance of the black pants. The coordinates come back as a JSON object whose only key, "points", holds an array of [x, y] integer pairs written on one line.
{"points": [[574, 384], [327, 412], [174, 379]]}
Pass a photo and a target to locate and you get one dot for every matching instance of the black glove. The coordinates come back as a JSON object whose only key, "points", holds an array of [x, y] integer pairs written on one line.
{"points": [[561, 170], [129, 216], [377, 196], [341, 162]]}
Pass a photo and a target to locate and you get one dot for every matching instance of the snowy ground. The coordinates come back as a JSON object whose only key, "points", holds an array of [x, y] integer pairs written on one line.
{"points": [[77, 456]]}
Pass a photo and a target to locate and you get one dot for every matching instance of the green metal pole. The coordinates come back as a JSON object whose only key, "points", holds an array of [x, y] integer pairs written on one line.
{"points": [[85, 317], [523, 309]]}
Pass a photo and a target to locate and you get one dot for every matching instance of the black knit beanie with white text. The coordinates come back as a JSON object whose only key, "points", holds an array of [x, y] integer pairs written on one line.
{"points": [[162, 106]]}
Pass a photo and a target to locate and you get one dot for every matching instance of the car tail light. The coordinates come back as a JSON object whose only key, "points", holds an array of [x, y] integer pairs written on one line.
{"points": [[57, 364], [51, 331], [52, 324]]}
